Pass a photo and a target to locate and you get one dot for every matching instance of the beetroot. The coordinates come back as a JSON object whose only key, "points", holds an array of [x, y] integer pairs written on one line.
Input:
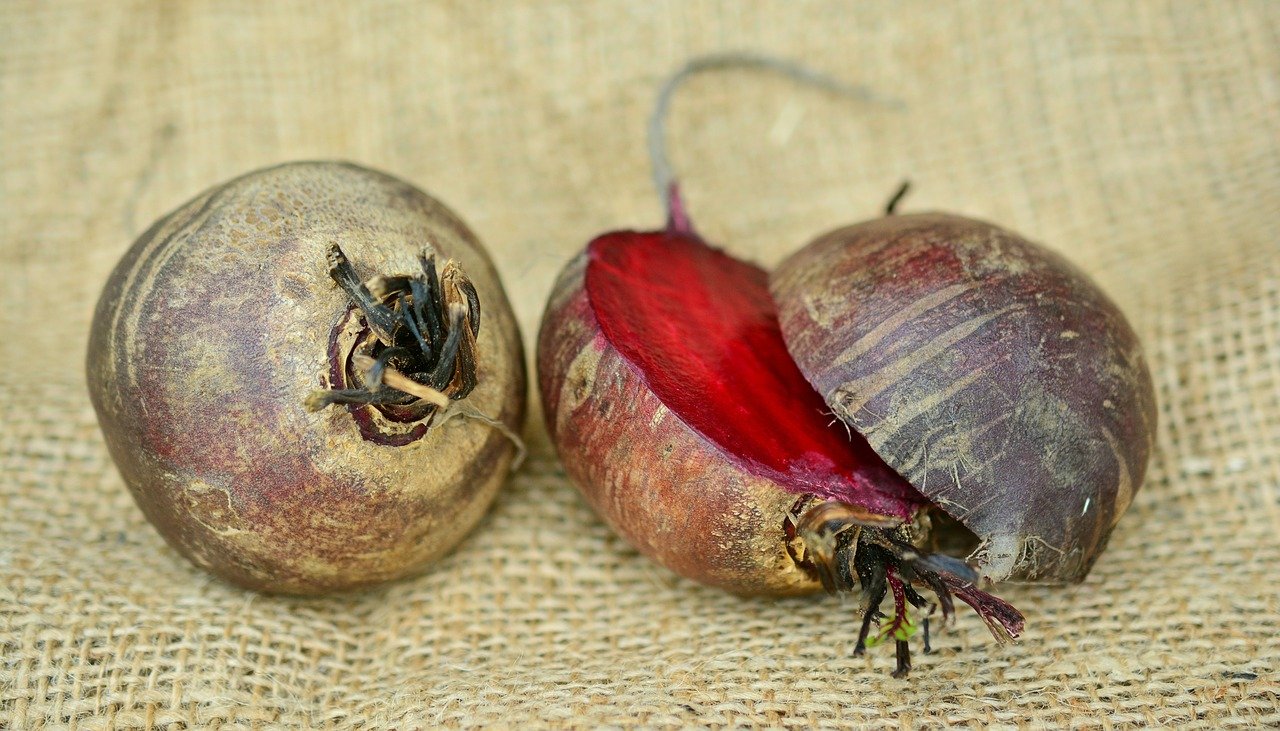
{"points": [[677, 409], [916, 347], [275, 365], [993, 374]]}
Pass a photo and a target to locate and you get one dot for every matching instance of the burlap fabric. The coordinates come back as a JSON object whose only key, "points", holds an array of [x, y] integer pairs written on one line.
{"points": [[1141, 140]]}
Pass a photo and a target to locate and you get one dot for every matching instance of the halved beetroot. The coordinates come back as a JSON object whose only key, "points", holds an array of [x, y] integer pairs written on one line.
{"points": [[945, 392], [679, 412]]}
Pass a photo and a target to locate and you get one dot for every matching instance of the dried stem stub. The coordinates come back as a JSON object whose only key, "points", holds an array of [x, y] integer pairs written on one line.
{"points": [[421, 337], [849, 548], [415, 355]]}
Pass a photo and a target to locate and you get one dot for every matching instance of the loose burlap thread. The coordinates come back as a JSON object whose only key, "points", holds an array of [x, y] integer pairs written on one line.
{"points": [[1138, 139]]}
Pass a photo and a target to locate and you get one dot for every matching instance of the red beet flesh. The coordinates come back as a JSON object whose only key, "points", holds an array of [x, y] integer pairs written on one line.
{"points": [[702, 330]]}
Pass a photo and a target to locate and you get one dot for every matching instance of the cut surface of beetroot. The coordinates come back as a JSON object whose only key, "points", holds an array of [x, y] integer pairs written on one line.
{"points": [[702, 330]]}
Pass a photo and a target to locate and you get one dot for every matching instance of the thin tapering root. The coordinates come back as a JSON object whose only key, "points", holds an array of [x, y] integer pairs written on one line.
{"points": [[664, 178]]}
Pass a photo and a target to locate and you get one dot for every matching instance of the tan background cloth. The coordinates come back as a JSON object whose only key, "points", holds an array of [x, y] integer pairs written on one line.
{"points": [[1139, 139]]}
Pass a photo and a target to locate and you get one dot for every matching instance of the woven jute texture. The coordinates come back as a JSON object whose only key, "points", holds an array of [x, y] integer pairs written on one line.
{"points": [[1138, 139]]}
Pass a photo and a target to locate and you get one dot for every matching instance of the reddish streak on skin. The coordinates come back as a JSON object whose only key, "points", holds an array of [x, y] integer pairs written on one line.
{"points": [[702, 330]]}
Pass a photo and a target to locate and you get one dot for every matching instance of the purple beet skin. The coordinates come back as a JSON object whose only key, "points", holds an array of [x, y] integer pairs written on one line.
{"points": [[988, 371]]}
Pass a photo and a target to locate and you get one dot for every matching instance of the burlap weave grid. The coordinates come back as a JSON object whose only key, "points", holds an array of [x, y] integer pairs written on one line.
{"points": [[1139, 139]]}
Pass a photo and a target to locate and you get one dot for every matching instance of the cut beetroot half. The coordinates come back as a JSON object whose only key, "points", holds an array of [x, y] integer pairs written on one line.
{"points": [[702, 330]]}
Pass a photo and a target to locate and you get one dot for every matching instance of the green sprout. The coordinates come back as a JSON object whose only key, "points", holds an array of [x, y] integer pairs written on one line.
{"points": [[901, 629]]}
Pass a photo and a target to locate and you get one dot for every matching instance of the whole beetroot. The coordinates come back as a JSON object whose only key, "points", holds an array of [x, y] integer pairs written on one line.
{"points": [[233, 321]]}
